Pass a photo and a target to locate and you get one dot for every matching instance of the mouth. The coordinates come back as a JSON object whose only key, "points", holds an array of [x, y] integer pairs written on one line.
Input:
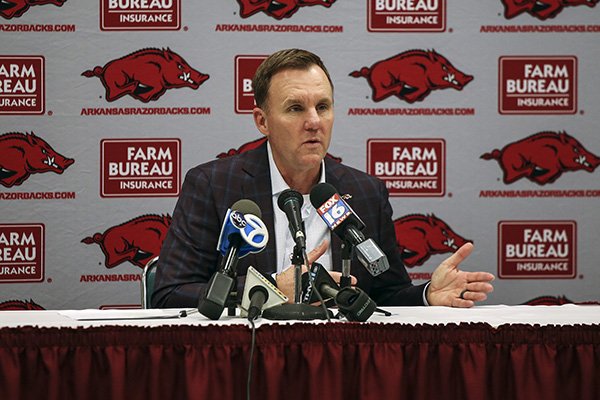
{"points": [[450, 243], [187, 78], [313, 143], [582, 160], [451, 79], [49, 161]]}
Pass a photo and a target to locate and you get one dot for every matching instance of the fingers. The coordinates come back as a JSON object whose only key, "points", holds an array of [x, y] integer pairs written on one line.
{"points": [[472, 297], [338, 275], [318, 251], [482, 287], [459, 255], [479, 276]]}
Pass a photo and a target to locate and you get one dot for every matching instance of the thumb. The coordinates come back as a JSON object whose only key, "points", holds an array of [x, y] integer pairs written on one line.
{"points": [[318, 251]]}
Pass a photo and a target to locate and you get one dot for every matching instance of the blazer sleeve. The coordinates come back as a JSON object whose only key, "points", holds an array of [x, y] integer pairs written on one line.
{"points": [[189, 256], [393, 287]]}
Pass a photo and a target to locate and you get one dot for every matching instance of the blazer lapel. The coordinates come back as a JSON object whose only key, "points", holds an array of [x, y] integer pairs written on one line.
{"points": [[256, 186], [334, 175]]}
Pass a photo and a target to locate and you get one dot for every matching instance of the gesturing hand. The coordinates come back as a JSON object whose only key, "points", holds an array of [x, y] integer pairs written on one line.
{"points": [[285, 280], [455, 288]]}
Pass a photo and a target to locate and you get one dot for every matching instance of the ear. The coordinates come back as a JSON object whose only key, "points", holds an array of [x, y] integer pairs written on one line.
{"points": [[32, 139], [260, 120]]}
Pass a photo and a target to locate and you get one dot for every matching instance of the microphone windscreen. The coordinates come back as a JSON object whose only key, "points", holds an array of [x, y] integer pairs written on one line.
{"points": [[255, 278], [320, 193], [288, 194], [246, 206]]}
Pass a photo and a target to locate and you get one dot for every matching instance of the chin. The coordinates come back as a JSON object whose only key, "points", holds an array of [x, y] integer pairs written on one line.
{"points": [[312, 160]]}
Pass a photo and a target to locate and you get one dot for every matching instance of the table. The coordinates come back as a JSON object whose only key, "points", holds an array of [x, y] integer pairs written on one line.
{"points": [[486, 352]]}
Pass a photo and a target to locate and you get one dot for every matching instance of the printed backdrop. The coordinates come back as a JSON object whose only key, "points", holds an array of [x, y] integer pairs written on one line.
{"points": [[480, 116]]}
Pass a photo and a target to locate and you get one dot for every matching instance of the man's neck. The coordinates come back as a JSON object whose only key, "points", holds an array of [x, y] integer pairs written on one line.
{"points": [[302, 181]]}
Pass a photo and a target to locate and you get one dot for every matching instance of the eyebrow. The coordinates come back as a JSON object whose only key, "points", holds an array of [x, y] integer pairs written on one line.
{"points": [[295, 100]]}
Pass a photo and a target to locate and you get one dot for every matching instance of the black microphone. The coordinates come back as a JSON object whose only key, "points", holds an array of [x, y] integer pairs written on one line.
{"points": [[353, 303], [342, 220], [290, 202], [243, 232], [260, 293]]}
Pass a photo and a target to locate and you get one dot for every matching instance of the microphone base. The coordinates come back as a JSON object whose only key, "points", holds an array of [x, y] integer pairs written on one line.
{"points": [[299, 311]]}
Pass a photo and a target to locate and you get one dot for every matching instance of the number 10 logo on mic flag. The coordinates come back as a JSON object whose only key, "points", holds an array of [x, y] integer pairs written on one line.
{"points": [[334, 211]]}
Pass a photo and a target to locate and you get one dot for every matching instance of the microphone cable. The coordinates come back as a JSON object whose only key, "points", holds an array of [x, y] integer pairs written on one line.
{"points": [[251, 358], [311, 281]]}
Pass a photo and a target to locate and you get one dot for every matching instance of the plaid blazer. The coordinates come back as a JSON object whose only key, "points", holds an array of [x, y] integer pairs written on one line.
{"points": [[189, 258]]}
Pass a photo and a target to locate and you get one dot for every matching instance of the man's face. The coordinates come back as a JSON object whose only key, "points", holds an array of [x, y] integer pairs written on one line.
{"points": [[298, 118]]}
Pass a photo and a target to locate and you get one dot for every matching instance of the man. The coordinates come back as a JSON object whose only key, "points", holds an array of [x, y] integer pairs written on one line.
{"points": [[295, 111]]}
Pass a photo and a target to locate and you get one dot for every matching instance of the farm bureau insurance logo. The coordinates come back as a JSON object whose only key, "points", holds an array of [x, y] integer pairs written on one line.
{"points": [[22, 85], [146, 75], [537, 249], [21, 253], [409, 167], [16, 8], [412, 75], [537, 85], [406, 15], [140, 167], [541, 9], [245, 68], [140, 15]]}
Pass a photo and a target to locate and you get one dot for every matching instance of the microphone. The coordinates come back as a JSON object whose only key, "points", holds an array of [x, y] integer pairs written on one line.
{"points": [[290, 202], [341, 219], [242, 233], [260, 294], [353, 303]]}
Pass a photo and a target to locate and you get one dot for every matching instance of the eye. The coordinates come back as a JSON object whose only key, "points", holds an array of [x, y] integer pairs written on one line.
{"points": [[323, 107], [444, 232], [44, 151], [575, 149], [179, 66], [444, 68]]}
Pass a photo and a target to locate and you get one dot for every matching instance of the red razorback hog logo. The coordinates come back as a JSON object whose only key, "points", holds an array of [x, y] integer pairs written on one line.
{"points": [[412, 75], [146, 75], [137, 240], [255, 144], [23, 154], [19, 305], [555, 301], [15, 8], [541, 9], [421, 236], [278, 9], [542, 157]]}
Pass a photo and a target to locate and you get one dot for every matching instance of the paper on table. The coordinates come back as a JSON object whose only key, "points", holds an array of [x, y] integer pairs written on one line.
{"points": [[108, 315]]}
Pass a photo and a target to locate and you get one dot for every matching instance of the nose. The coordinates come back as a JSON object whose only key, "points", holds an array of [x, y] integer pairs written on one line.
{"points": [[312, 120]]}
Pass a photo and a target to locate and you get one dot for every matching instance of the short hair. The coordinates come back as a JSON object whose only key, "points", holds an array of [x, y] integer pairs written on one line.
{"points": [[278, 61]]}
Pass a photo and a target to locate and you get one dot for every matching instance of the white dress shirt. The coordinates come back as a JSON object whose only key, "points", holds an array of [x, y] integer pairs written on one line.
{"points": [[316, 229]]}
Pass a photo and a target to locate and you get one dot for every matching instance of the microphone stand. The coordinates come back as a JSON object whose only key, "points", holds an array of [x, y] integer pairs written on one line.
{"points": [[297, 310], [345, 280], [347, 253], [232, 299]]}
